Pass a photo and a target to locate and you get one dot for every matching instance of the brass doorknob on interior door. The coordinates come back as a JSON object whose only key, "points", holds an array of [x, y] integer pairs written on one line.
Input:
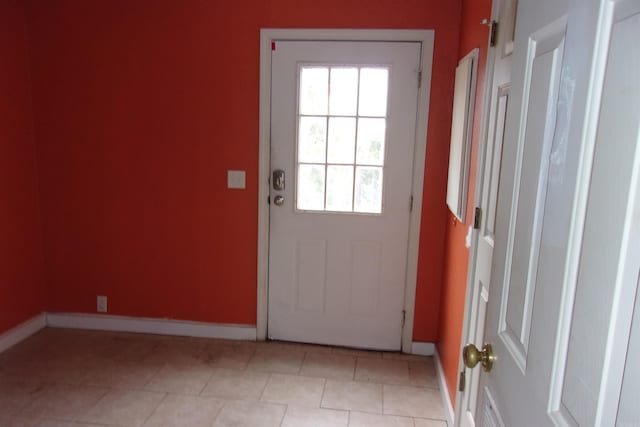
{"points": [[278, 200], [472, 356]]}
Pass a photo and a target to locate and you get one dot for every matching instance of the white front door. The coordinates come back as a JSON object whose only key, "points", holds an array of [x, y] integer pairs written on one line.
{"points": [[487, 183], [343, 123], [567, 239]]}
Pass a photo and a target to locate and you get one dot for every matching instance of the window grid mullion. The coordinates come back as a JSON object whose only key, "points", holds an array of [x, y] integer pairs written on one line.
{"points": [[354, 164], [355, 146], [326, 166]]}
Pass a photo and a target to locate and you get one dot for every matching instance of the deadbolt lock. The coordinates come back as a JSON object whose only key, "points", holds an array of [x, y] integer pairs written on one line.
{"points": [[278, 180]]}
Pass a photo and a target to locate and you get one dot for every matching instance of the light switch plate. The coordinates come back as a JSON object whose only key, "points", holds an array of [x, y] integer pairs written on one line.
{"points": [[236, 179]]}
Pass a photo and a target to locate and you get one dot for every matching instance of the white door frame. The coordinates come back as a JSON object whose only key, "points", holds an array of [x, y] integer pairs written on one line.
{"points": [[426, 38]]}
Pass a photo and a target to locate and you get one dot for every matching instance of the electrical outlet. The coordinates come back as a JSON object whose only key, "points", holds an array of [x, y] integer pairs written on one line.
{"points": [[102, 304]]}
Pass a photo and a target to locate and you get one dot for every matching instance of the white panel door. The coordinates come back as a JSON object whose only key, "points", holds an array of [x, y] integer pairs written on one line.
{"points": [[567, 245], [628, 408], [488, 184], [343, 120]]}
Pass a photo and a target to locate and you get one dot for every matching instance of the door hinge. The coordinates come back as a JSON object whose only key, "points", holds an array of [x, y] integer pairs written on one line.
{"points": [[411, 204], [477, 218], [462, 381], [493, 31], [404, 317], [419, 79], [269, 200]]}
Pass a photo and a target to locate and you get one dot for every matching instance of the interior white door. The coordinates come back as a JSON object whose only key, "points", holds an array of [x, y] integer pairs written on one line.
{"points": [[343, 120], [487, 183], [628, 408], [566, 257]]}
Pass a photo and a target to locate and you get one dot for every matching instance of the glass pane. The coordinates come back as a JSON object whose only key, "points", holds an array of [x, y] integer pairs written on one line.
{"points": [[371, 133], [342, 140], [312, 139], [339, 188], [373, 91], [344, 91], [314, 90], [368, 196], [311, 187]]}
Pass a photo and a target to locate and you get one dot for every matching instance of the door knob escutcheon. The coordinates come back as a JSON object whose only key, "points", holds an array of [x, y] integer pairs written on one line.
{"points": [[472, 356]]}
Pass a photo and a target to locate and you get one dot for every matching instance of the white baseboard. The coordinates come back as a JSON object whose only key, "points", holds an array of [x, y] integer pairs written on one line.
{"points": [[24, 330], [423, 348], [106, 322], [444, 390]]}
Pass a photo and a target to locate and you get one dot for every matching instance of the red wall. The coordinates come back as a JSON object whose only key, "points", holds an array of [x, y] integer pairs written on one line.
{"points": [[21, 265], [142, 106], [456, 257]]}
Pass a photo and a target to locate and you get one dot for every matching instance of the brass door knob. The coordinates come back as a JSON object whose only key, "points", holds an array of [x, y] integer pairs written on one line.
{"points": [[472, 356]]}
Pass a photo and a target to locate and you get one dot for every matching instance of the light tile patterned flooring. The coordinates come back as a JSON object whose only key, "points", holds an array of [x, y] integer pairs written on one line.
{"points": [[65, 377]]}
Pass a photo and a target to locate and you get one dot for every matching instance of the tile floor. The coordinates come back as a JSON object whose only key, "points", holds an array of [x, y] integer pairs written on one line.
{"points": [[65, 377]]}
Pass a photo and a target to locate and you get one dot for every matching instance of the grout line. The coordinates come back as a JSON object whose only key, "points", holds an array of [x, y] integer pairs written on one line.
{"points": [[304, 359], [324, 387], [223, 406], [224, 403], [156, 408], [76, 417], [355, 369], [430, 419], [265, 387], [206, 383], [284, 414]]}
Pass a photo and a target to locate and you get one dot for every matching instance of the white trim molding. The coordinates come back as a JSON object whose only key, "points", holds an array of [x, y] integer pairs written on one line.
{"points": [[426, 40], [22, 331], [444, 390], [150, 326], [423, 348]]}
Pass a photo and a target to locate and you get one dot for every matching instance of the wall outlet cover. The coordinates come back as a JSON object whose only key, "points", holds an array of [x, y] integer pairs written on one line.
{"points": [[101, 304]]}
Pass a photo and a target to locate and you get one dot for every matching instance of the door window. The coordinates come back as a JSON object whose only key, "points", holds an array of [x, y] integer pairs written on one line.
{"points": [[342, 123]]}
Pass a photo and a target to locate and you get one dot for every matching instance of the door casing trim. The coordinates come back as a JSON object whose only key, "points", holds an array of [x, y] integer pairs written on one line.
{"points": [[267, 35]]}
